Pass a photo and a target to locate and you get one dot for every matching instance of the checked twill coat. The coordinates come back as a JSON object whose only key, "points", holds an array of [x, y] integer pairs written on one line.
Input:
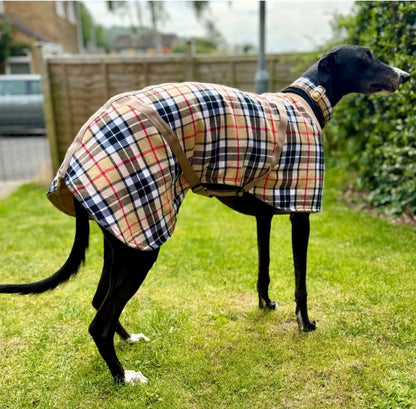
{"points": [[123, 171]]}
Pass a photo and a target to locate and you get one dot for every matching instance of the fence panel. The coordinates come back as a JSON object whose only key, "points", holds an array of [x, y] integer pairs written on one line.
{"points": [[75, 87]]}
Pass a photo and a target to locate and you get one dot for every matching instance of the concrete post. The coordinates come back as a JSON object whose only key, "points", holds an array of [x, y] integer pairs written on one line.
{"points": [[262, 76]]}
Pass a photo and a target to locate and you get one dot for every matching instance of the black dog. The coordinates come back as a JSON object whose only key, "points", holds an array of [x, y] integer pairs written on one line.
{"points": [[341, 71]]}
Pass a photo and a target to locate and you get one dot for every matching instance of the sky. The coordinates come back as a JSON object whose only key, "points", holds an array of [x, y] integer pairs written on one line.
{"points": [[291, 25]]}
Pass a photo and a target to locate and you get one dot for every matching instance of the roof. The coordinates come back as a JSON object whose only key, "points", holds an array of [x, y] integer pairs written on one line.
{"points": [[141, 42], [20, 25]]}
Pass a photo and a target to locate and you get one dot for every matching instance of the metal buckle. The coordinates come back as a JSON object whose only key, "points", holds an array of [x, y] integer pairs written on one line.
{"points": [[240, 192], [198, 188], [318, 93]]}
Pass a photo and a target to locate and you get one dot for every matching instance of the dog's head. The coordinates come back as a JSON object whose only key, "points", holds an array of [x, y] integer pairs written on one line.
{"points": [[355, 69]]}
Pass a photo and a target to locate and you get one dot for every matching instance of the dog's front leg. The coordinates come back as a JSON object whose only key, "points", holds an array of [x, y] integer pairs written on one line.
{"points": [[263, 244], [300, 238]]}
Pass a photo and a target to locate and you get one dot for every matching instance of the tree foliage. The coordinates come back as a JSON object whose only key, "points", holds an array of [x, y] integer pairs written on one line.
{"points": [[6, 40], [377, 134], [212, 41], [91, 32], [9, 47]]}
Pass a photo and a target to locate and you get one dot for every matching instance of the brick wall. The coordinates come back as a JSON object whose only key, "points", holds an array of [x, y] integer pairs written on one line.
{"points": [[42, 17]]}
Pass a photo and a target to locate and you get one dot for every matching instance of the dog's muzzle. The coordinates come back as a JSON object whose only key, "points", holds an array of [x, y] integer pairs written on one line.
{"points": [[403, 75]]}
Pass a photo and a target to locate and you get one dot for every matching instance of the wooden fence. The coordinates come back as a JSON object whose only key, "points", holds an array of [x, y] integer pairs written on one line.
{"points": [[75, 87]]}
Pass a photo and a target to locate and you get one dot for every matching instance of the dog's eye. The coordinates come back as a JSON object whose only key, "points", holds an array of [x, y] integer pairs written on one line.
{"points": [[367, 57], [365, 60]]}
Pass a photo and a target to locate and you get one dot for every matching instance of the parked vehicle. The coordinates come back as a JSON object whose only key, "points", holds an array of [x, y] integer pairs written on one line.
{"points": [[21, 104]]}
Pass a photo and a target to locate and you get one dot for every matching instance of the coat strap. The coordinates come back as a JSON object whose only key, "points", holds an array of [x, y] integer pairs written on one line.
{"points": [[188, 172], [173, 143]]}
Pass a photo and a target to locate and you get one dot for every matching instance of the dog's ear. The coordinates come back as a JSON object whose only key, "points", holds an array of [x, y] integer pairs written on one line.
{"points": [[327, 66]]}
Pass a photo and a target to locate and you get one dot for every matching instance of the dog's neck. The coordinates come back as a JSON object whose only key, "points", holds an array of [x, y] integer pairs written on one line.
{"points": [[315, 96]]}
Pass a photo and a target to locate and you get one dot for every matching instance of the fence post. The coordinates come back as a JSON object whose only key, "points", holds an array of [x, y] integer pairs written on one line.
{"points": [[48, 107], [190, 61], [104, 70]]}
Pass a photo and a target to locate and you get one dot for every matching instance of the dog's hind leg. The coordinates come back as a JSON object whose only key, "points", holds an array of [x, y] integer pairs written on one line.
{"points": [[102, 290], [128, 269], [300, 238], [264, 221]]}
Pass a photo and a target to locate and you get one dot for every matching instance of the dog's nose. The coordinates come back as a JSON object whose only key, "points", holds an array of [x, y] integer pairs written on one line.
{"points": [[403, 75]]}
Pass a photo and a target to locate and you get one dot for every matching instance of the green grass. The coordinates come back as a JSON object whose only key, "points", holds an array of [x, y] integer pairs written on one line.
{"points": [[210, 345]]}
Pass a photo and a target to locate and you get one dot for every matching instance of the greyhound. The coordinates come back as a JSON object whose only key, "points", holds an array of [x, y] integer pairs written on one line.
{"points": [[131, 247]]}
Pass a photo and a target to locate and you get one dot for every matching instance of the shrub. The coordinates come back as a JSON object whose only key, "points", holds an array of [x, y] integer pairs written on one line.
{"points": [[376, 135]]}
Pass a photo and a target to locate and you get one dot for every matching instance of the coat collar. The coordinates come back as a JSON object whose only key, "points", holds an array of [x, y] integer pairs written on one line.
{"points": [[317, 93]]}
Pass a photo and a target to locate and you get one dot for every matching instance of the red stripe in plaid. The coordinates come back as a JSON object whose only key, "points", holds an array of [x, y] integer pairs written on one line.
{"points": [[156, 158], [308, 158], [103, 174]]}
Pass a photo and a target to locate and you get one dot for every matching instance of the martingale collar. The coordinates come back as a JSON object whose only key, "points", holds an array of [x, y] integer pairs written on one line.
{"points": [[317, 93]]}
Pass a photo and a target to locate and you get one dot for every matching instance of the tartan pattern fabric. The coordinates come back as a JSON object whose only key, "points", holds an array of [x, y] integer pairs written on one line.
{"points": [[308, 86], [124, 173]]}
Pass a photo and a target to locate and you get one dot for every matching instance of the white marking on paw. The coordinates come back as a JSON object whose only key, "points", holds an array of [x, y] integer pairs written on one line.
{"points": [[137, 337], [300, 321], [133, 377]]}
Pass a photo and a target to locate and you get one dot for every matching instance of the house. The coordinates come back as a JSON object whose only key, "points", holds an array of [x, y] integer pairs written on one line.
{"points": [[52, 23], [131, 44]]}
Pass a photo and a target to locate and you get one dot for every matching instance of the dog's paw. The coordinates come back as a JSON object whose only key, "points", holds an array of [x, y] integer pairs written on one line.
{"points": [[267, 304], [133, 378], [306, 325], [136, 338], [272, 305], [311, 326]]}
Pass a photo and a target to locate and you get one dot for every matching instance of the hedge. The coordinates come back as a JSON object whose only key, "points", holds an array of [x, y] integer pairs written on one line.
{"points": [[376, 135]]}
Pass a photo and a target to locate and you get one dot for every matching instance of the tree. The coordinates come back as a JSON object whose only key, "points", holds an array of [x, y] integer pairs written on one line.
{"points": [[214, 35], [157, 12], [8, 47], [377, 135], [6, 40], [93, 35]]}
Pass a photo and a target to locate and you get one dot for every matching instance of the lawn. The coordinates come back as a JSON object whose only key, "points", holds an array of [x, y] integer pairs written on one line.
{"points": [[211, 347]]}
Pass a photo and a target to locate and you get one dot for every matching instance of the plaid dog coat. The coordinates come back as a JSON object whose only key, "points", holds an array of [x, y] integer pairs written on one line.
{"points": [[122, 168]]}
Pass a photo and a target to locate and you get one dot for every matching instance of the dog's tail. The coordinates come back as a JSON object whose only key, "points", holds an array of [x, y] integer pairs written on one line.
{"points": [[71, 266]]}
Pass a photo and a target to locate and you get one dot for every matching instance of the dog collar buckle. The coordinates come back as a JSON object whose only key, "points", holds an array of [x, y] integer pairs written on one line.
{"points": [[318, 93]]}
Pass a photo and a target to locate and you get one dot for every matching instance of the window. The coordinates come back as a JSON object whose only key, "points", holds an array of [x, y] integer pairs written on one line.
{"points": [[35, 87], [60, 8], [20, 87], [72, 16], [13, 88], [21, 63], [18, 68], [1, 7]]}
